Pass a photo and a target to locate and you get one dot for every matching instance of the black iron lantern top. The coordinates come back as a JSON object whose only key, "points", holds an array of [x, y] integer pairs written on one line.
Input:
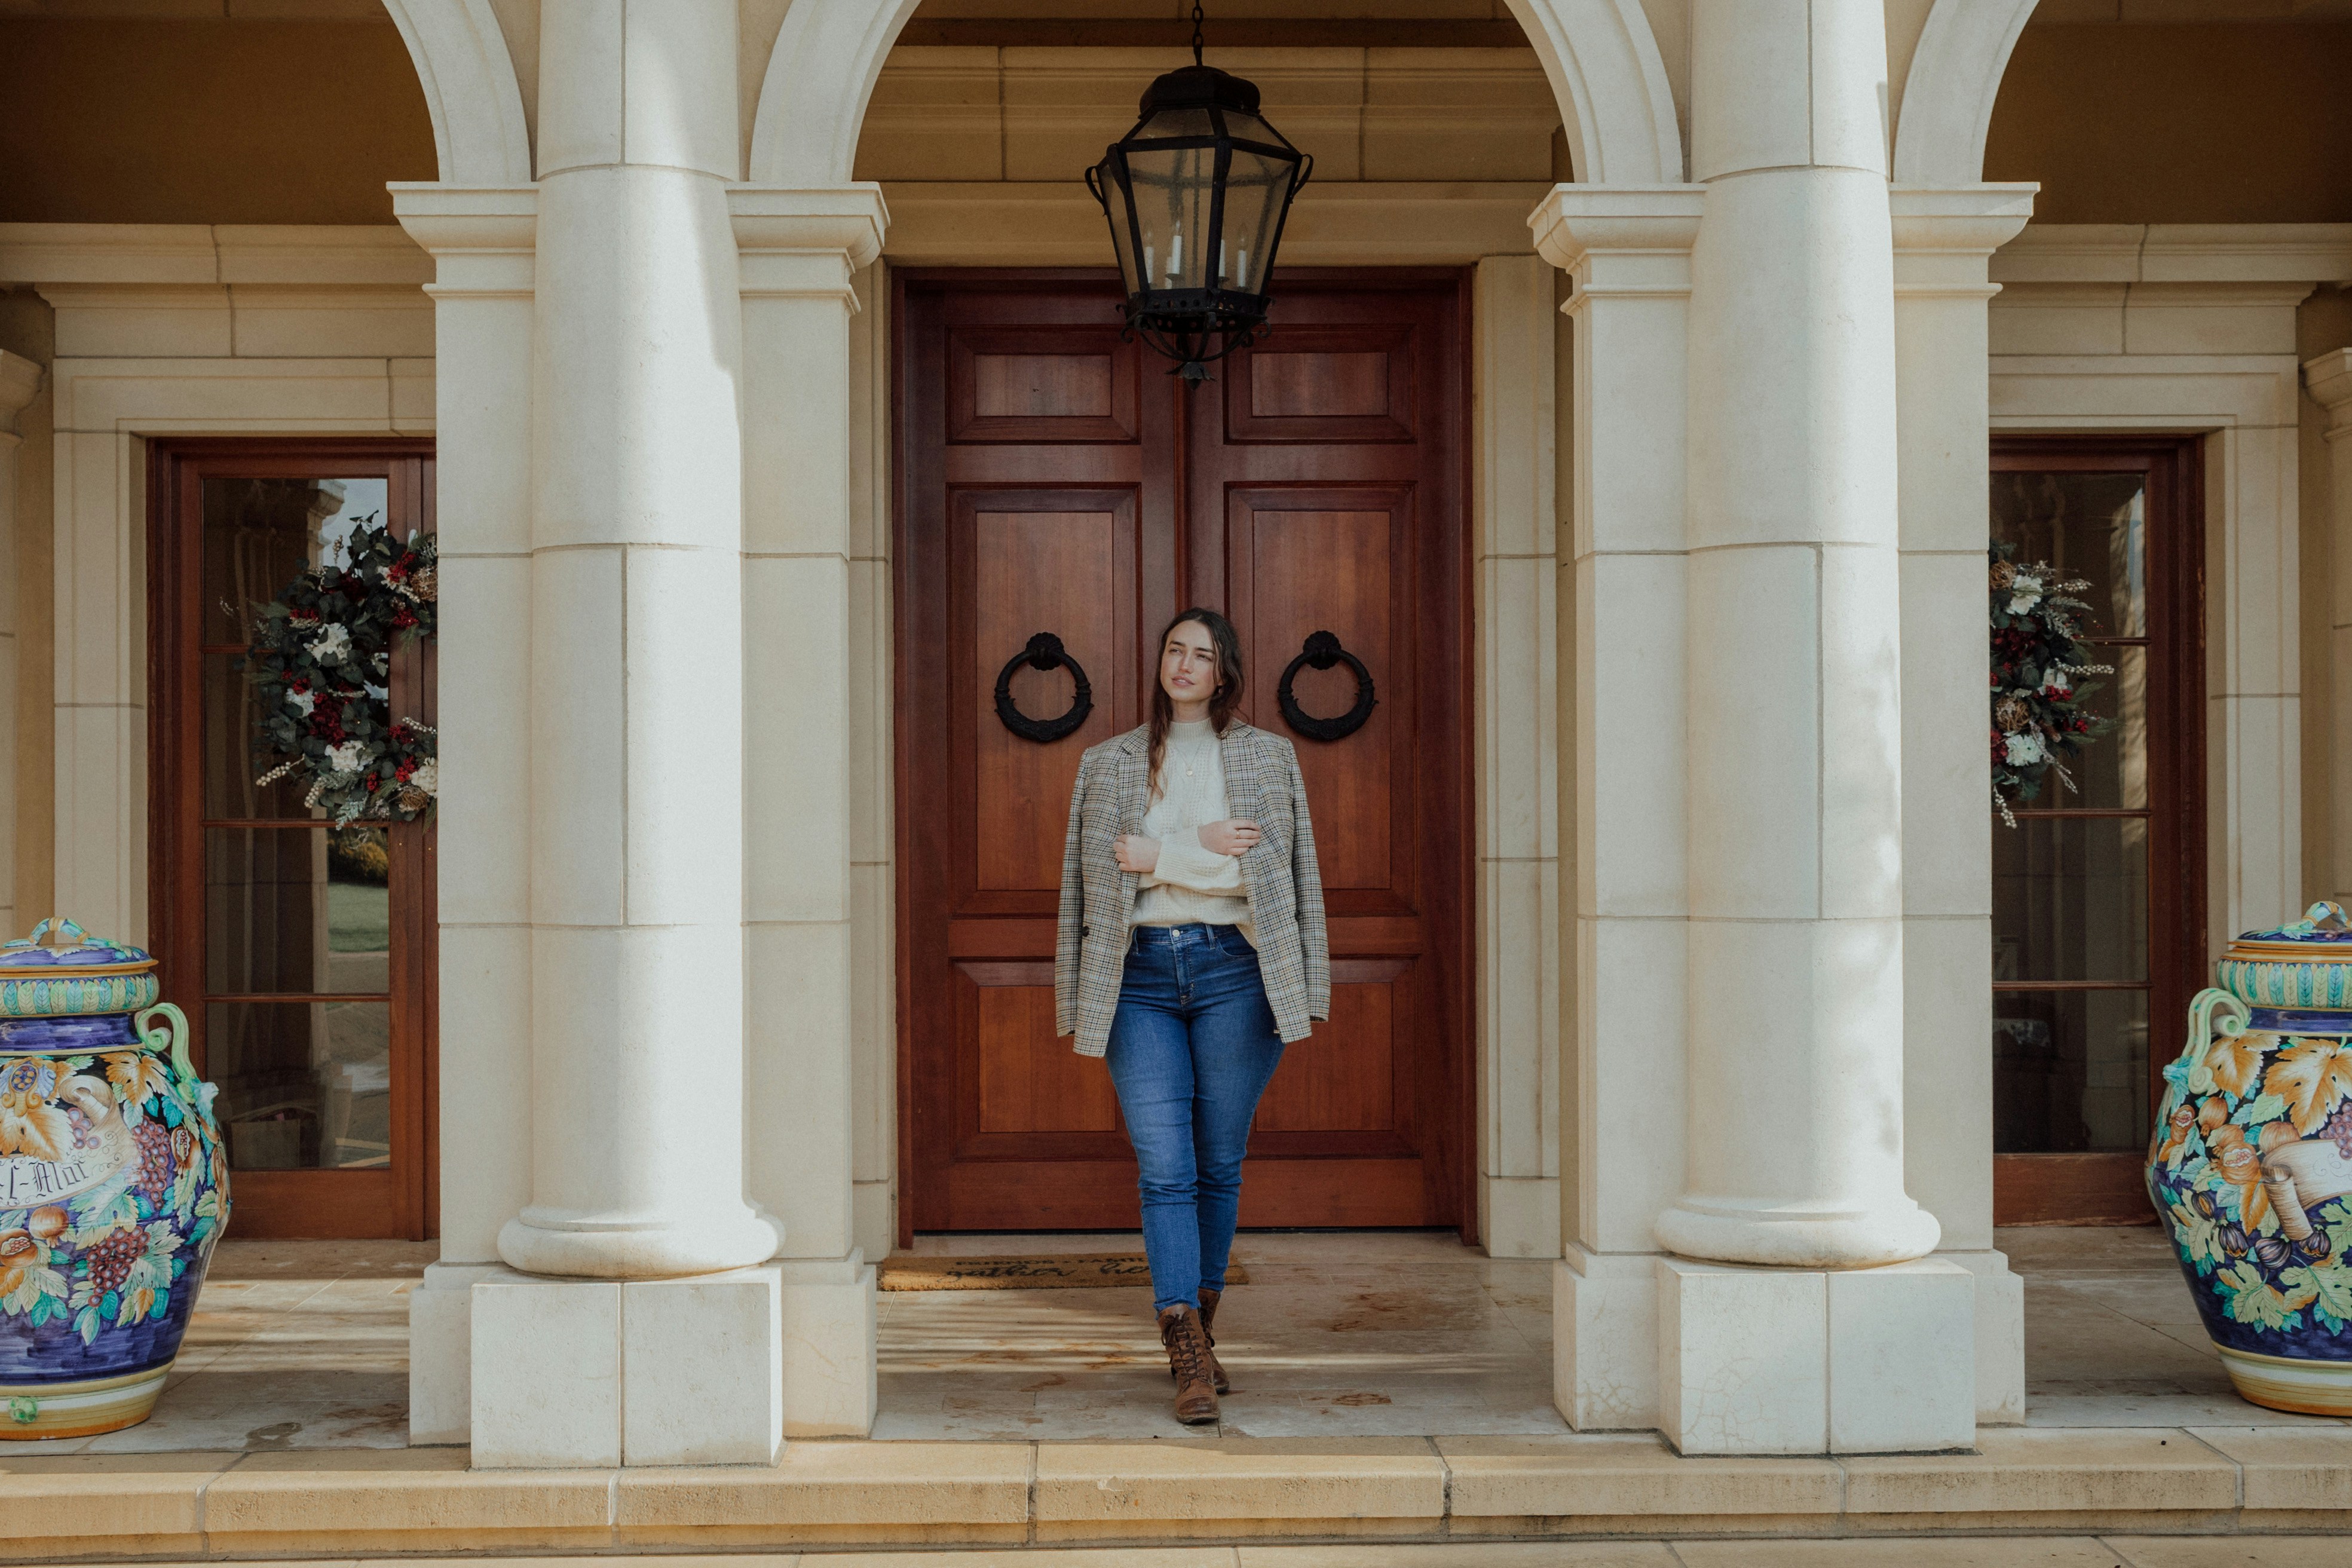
{"points": [[1196, 194]]}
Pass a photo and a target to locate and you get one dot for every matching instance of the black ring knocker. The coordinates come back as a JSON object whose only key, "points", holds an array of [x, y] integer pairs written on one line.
{"points": [[1045, 652], [1323, 650]]}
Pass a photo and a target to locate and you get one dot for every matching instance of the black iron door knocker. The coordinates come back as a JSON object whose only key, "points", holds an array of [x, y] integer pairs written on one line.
{"points": [[1323, 650], [1045, 652]]}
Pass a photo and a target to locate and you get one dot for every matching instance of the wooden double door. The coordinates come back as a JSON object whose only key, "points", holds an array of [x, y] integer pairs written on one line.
{"points": [[1054, 479]]}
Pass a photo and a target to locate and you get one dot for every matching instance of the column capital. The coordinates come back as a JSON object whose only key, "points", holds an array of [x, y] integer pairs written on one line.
{"points": [[1621, 238], [805, 240], [19, 379], [483, 238], [2328, 379], [1944, 235]]}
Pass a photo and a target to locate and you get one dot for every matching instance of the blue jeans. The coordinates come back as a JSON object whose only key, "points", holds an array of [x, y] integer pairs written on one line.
{"points": [[1192, 1046]]}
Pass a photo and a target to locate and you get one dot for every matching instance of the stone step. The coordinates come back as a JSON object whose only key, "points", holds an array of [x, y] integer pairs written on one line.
{"points": [[1174, 1492]]}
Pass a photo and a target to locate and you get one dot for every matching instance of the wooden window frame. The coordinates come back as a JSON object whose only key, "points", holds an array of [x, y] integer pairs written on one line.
{"points": [[2109, 1187], [402, 1200]]}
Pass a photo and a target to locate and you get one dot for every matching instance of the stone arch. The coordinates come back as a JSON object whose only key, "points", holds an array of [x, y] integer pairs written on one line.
{"points": [[1948, 96], [1603, 61], [478, 131]]}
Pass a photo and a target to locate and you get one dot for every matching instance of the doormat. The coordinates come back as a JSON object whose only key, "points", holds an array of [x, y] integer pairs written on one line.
{"points": [[1061, 1271]]}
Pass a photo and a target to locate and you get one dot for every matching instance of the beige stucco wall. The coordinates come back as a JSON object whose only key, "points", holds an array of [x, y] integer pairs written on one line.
{"points": [[2178, 125], [148, 120], [27, 327], [2324, 321]]}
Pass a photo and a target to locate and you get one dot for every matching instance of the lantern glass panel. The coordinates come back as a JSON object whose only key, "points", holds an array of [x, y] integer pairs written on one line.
{"points": [[1173, 188], [1115, 206], [1256, 188]]}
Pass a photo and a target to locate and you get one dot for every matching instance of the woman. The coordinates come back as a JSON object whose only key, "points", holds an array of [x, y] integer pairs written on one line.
{"points": [[1191, 950]]}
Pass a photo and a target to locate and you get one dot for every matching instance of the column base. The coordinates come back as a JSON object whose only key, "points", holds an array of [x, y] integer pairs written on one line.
{"points": [[593, 1374], [832, 1376], [1783, 1361], [1604, 1316]]}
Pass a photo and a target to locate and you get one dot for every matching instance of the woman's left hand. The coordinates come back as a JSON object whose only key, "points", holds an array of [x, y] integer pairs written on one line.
{"points": [[1135, 853]]}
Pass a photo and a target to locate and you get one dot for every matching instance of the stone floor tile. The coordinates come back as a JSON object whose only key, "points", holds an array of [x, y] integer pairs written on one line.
{"points": [[1027, 1557], [2234, 1551], [2159, 1301], [238, 1259], [259, 1409], [2085, 1249], [1998, 1552], [1263, 1481], [1466, 1554], [2091, 1404], [1625, 1475], [344, 1499], [2028, 1469], [2287, 1469], [830, 1485]]}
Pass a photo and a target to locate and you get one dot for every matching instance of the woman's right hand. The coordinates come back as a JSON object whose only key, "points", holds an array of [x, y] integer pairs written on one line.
{"points": [[1235, 835]]}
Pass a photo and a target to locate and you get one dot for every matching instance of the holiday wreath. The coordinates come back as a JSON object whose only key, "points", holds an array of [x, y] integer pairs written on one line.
{"points": [[321, 662], [2038, 716]]}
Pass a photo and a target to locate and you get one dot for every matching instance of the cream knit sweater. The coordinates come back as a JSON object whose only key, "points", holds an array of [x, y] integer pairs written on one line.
{"points": [[1190, 884]]}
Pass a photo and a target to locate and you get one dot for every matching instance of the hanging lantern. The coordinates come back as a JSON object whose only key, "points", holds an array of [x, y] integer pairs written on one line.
{"points": [[1196, 194]]}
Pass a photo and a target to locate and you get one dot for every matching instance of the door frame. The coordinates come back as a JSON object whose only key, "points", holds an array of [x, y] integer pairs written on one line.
{"points": [[2110, 1188], [1456, 1137], [362, 1204]]}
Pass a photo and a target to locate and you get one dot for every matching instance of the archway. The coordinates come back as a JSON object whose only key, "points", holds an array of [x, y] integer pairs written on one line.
{"points": [[1600, 55]]}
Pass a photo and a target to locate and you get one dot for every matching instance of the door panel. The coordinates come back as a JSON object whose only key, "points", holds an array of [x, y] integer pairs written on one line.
{"points": [[1052, 479]]}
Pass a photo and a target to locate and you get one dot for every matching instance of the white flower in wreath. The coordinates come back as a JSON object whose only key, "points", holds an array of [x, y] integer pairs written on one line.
{"points": [[2024, 593], [332, 645], [427, 776], [302, 701], [2055, 684], [2025, 748], [347, 758]]}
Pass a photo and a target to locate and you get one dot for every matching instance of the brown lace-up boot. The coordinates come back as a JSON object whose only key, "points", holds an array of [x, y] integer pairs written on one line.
{"points": [[1209, 1299], [1188, 1364]]}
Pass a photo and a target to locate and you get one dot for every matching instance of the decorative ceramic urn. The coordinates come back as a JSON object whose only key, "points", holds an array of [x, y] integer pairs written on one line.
{"points": [[114, 1184], [2251, 1165]]}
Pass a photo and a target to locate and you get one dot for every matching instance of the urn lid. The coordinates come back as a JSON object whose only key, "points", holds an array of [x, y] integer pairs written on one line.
{"points": [[72, 952], [2323, 935]]}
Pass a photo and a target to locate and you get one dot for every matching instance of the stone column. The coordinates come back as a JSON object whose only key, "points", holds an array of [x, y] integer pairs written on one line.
{"points": [[1793, 1157], [799, 248], [1627, 252], [20, 378], [1944, 239], [660, 1345], [2328, 379]]}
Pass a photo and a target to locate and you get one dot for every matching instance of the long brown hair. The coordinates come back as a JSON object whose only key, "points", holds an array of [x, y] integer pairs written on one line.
{"points": [[1221, 701]]}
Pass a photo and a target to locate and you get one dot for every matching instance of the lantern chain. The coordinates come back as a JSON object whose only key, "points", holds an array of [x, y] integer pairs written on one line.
{"points": [[1196, 32]]}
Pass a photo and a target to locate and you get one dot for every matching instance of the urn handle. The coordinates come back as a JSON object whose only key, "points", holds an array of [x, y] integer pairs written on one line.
{"points": [[173, 1034], [2211, 1012]]}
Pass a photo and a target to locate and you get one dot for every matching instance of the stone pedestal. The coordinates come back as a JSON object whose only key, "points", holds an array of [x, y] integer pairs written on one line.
{"points": [[1798, 1360]]}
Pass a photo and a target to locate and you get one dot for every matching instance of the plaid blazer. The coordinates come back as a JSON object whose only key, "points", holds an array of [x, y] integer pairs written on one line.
{"points": [[1279, 875]]}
